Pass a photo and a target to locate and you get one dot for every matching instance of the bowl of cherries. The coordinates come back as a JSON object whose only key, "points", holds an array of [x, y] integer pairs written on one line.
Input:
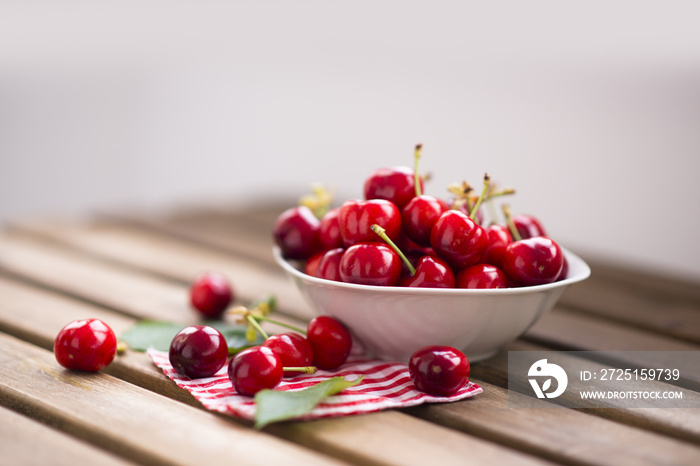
{"points": [[403, 269]]}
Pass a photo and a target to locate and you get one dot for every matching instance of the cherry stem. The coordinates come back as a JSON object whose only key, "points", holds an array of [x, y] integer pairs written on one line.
{"points": [[382, 234], [475, 208], [416, 178], [306, 369], [504, 192], [256, 325], [511, 226], [281, 324]]}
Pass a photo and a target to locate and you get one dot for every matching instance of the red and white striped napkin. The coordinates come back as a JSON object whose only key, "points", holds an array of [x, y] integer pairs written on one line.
{"points": [[385, 385]]}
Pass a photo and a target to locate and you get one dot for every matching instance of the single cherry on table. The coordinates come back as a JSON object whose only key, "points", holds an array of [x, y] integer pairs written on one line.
{"points": [[198, 351], [293, 350], [210, 294], [254, 369], [330, 340], [87, 345], [439, 370]]}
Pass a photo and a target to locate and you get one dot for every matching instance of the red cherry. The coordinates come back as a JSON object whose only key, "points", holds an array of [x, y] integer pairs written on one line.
{"points": [[357, 217], [431, 272], [254, 369], [478, 216], [419, 216], [370, 264], [498, 238], [210, 294], [533, 261], [292, 349], [439, 370], [482, 276], [528, 226], [395, 184], [198, 351], [458, 240], [331, 342], [296, 232], [329, 265], [329, 230], [311, 264], [86, 345], [564, 270]]}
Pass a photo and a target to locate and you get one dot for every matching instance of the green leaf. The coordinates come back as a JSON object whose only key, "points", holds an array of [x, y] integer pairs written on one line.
{"points": [[277, 405], [158, 335]]}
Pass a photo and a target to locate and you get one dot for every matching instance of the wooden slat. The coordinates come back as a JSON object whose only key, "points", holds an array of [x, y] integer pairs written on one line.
{"points": [[26, 442], [555, 433], [678, 423], [563, 328], [24, 305], [659, 304], [157, 254], [639, 307], [128, 420]]}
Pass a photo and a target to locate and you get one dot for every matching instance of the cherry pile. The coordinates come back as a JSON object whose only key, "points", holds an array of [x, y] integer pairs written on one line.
{"points": [[201, 351], [398, 236]]}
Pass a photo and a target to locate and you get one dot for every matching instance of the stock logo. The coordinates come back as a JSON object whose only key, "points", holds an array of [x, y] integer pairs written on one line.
{"points": [[542, 369]]}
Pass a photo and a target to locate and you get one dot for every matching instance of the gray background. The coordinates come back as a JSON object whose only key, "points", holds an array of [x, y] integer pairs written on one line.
{"points": [[591, 111]]}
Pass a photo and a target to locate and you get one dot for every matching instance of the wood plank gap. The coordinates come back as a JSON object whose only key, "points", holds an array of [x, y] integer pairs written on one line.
{"points": [[125, 419], [682, 424], [553, 433]]}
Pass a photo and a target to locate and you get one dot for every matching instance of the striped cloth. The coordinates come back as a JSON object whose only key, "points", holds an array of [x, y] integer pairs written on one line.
{"points": [[385, 385]]}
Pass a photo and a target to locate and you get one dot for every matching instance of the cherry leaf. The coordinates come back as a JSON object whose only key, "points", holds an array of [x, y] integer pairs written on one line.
{"points": [[156, 334], [278, 405]]}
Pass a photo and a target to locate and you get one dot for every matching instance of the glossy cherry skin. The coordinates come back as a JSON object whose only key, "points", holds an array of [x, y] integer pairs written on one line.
{"points": [[329, 230], [419, 216], [86, 345], [312, 262], [330, 340], [370, 264], [498, 238], [395, 184], [528, 226], [296, 232], [564, 270], [357, 217], [533, 261], [431, 272], [198, 351], [292, 349], [439, 370], [254, 369], [479, 216], [329, 266], [210, 294], [457, 239], [482, 276]]}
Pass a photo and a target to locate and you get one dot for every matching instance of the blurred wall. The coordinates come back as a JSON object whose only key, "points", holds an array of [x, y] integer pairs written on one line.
{"points": [[591, 111]]}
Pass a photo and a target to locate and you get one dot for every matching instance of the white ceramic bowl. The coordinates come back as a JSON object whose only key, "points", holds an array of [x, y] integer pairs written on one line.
{"points": [[392, 322]]}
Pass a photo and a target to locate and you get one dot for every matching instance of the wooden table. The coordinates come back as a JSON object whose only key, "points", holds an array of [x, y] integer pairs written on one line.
{"points": [[122, 268]]}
